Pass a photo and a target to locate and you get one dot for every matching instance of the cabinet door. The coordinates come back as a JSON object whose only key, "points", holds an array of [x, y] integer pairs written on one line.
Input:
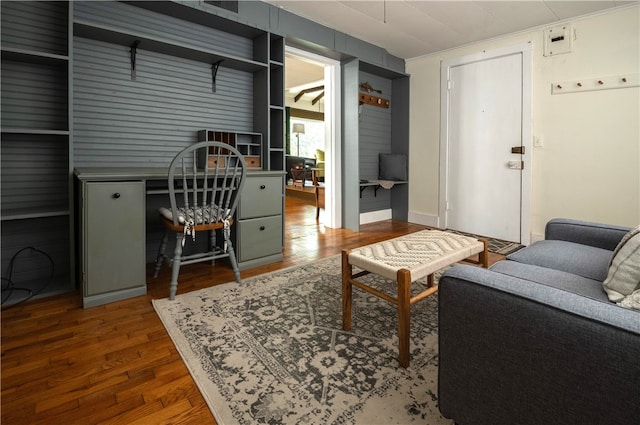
{"points": [[114, 237]]}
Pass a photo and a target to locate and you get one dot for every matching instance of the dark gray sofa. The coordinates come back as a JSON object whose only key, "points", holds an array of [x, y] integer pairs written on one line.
{"points": [[535, 340]]}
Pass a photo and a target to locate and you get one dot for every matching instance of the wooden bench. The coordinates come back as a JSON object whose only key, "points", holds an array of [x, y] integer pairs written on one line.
{"points": [[405, 260]]}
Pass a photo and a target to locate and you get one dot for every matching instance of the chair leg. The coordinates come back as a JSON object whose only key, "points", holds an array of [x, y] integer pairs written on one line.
{"points": [[161, 250], [212, 244], [232, 259], [175, 269]]}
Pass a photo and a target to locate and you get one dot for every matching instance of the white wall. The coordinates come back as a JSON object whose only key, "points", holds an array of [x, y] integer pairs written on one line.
{"points": [[589, 165]]}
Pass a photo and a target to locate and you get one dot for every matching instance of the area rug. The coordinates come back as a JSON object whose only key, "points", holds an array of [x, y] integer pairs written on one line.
{"points": [[498, 246], [271, 350]]}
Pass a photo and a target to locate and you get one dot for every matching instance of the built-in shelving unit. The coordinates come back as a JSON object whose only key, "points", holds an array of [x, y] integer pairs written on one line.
{"points": [[248, 144], [276, 103], [378, 127], [36, 147]]}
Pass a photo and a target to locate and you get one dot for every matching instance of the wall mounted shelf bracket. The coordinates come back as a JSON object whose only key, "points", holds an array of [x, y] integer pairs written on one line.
{"points": [[133, 52], [214, 74]]}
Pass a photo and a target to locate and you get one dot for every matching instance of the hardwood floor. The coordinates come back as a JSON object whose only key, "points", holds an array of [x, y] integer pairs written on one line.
{"points": [[115, 364]]}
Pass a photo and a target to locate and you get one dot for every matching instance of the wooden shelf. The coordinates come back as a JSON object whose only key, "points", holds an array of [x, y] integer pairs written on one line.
{"points": [[376, 185], [32, 56], [116, 36], [35, 131], [31, 214]]}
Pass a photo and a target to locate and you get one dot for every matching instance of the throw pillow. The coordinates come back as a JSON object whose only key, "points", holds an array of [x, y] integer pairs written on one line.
{"points": [[392, 166], [624, 272]]}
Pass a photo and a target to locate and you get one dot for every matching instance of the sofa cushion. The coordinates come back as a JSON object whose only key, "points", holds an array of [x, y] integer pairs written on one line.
{"points": [[582, 260], [558, 279], [624, 272]]}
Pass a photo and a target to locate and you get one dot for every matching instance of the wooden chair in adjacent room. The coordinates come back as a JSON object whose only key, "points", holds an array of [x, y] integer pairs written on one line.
{"points": [[204, 181], [318, 186]]}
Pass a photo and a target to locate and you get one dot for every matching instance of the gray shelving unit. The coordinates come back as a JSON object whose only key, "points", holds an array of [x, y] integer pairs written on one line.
{"points": [[375, 130], [36, 146]]}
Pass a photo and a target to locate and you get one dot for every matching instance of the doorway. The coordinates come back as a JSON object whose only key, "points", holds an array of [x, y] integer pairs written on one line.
{"points": [[485, 144], [302, 70]]}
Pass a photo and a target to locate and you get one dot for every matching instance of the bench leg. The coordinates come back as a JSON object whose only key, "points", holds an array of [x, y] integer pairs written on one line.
{"points": [[347, 290], [484, 255], [404, 316]]}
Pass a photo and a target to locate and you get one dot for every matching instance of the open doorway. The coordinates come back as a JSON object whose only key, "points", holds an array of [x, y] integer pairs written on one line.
{"points": [[312, 99]]}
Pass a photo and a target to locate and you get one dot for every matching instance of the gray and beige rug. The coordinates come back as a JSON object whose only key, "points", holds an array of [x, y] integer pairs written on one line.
{"points": [[271, 350]]}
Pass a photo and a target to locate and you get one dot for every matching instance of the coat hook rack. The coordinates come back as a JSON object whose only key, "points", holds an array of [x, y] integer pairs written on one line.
{"points": [[591, 84], [133, 53], [214, 74], [373, 100]]}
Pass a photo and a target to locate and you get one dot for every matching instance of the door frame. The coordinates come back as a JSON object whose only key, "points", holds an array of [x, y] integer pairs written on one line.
{"points": [[333, 139], [525, 190]]}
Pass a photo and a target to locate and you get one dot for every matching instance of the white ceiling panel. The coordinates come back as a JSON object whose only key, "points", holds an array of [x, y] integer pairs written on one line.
{"points": [[411, 28]]}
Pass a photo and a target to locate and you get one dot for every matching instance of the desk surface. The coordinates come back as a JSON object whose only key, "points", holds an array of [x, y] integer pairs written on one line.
{"points": [[140, 173]]}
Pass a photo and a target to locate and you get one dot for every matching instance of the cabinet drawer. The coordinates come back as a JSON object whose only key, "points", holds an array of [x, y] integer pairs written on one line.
{"points": [[261, 196], [253, 161], [259, 237]]}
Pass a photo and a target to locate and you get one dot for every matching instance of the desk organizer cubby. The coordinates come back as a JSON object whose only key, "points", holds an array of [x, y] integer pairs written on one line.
{"points": [[248, 144]]}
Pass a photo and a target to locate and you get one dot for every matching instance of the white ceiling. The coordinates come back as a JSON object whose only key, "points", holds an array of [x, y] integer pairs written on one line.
{"points": [[412, 28]]}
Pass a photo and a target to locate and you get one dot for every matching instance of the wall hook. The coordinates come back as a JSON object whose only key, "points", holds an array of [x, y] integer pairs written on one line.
{"points": [[579, 84], [624, 79], [600, 82], [133, 53]]}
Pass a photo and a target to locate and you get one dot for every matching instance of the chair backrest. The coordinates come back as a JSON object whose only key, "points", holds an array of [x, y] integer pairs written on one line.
{"points": [[205, 181]]}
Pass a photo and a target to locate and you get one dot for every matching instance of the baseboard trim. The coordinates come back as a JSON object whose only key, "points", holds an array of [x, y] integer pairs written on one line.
{"points": [[424, 219], [373, 216]]}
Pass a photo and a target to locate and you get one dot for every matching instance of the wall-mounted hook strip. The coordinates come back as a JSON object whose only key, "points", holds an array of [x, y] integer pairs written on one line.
{"points": [[133, 52], [214, 74], [591, 84]]}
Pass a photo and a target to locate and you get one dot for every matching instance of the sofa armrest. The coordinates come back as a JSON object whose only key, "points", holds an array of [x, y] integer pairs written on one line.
{"points": [[600, 235], [513, 351]]}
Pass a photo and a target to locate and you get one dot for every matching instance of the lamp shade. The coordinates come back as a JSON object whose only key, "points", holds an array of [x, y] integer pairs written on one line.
{"points": [[298, 128]]}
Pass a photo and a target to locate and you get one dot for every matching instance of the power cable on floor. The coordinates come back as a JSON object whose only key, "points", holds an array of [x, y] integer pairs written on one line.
{"points": [[10, 287]]}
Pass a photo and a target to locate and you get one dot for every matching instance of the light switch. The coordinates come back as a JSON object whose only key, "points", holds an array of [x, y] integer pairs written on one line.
{"points": [[538, 141]]}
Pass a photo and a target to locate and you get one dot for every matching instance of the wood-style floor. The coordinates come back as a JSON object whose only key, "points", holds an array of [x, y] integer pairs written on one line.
{"points": [[115, 364]]}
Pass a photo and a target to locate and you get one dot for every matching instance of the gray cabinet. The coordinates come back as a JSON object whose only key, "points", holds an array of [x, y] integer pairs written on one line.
{"points": [[260, 220], [113, 241]]}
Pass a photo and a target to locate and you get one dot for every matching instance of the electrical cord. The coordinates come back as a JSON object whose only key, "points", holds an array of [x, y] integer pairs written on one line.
{"points": [[8, 281]]}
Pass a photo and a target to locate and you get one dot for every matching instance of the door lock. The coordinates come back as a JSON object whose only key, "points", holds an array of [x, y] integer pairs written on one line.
{"points": [[516, 165], [518, 150]]}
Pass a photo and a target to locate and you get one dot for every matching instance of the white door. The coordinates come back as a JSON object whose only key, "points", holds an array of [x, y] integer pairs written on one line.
{"points": [[484, 135]]}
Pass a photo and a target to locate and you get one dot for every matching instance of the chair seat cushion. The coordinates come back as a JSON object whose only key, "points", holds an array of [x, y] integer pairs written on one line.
{"points": [[582, 260], [198, 215], [558, 279]]}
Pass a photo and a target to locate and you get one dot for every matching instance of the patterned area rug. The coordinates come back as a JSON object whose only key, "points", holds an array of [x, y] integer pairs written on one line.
{"points": [[498, 246], [271, 350]]}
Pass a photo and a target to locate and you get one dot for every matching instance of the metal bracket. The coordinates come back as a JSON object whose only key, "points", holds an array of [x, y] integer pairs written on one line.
{"points": [[133, 52], [214, 74]]}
